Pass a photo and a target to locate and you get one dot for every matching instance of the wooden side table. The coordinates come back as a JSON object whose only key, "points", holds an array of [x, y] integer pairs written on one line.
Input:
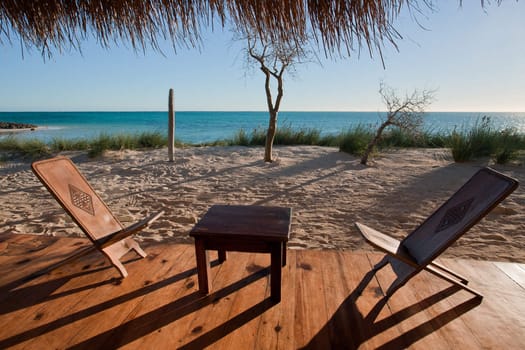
{"points": [[243, 228]]}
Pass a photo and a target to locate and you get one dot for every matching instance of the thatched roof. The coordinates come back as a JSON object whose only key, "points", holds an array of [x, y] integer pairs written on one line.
{"points": [[338, 25]]}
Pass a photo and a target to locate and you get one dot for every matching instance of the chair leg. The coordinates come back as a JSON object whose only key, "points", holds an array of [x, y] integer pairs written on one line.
{"points": [[132, 244], [452, 280], [139, 250], [116, 262], [117, 250], [436, 269], [450, 272]]}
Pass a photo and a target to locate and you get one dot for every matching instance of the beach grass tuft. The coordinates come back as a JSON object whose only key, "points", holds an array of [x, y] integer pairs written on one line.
{"points": [[31, 148], [509, 145], [355, 140], [105, 142], [483, 140], [63, 144], [241, 138], [152, 140], [285, 136], [34, 148]]}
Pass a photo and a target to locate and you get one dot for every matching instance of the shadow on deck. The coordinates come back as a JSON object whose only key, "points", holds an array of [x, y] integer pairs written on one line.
{"points": [[329, 300]]}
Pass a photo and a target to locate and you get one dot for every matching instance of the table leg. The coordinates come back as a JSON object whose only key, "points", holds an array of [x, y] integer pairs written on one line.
{"points": [[203, 266], [222, 256], [275, 273], [284, 254]]}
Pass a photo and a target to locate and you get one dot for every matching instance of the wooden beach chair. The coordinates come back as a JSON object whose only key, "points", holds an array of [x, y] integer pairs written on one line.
{"points": [[417, 251], [69, 187]]}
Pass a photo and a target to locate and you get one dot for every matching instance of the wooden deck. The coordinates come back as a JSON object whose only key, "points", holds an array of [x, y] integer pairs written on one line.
{"points": [[84, 306]]}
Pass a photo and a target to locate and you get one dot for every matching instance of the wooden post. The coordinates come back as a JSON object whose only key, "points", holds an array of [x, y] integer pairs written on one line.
{"points": [[171, 127]]}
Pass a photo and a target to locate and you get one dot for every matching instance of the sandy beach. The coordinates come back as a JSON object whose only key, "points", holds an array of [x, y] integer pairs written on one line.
{"points": [[327, 189]]}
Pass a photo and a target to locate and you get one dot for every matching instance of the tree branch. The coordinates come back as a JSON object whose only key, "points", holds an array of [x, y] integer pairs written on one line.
{"points": [[405, 114]]}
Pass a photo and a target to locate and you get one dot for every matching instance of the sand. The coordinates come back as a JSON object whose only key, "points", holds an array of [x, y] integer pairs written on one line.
{"points": [[328, 191]]}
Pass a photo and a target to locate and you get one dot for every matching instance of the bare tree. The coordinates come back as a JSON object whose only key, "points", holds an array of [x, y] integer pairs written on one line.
{"points": [[405, 113], [274, 59]]}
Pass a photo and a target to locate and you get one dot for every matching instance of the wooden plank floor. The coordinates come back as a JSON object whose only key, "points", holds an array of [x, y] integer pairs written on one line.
{"points": [[83, 305]]}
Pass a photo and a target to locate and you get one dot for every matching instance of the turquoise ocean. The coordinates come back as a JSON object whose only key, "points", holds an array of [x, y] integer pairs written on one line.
{"points": [[199, 127]]}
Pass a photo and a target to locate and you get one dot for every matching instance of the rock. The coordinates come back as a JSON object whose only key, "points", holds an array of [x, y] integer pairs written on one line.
{"points": [[10, 125]]}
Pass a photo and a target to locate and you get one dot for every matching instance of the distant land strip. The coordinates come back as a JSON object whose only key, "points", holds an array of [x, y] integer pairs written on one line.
{"points": [[11, 125]]}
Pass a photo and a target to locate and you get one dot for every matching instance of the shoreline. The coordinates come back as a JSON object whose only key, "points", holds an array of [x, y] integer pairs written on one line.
{"points": [[327, 189], [19, 130], [197, 127]]}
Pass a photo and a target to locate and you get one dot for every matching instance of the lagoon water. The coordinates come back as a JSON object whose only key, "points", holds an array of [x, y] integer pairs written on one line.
{"points": [[199, 127]]}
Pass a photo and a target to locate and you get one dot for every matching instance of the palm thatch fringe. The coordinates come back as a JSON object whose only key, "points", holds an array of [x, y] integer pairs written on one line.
{"points": [[337, 25]]}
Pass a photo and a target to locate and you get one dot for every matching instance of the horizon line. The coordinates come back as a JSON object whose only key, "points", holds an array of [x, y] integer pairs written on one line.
{"points": [[236, 111]]}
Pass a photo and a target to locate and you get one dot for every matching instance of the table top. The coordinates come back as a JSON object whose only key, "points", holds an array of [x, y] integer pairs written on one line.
{"points": [[245, 221]]}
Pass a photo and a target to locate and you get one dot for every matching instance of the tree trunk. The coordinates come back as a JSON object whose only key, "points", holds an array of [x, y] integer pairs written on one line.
{"points": [[371, 145], [273, 109], [270, 136]]}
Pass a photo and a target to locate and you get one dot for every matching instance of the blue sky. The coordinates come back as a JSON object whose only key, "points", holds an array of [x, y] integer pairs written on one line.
{"points": [[474, 58]]}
